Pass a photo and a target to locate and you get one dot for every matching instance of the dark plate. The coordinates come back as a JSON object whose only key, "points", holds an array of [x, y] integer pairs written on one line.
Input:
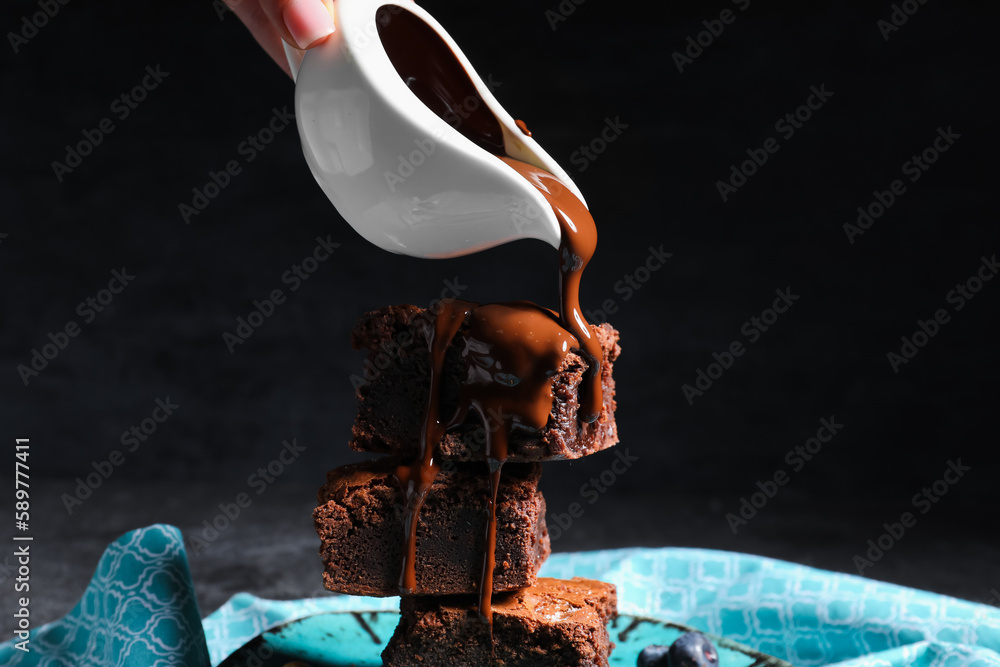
{"points": [[356, 639]]}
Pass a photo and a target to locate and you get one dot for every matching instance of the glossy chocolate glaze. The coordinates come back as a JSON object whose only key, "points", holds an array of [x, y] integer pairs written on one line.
{"points": [[577, 244], [417, 478], [428, 66], [512, 350]]}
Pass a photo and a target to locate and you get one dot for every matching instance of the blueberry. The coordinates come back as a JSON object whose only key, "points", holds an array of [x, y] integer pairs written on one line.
{"points": [[692, 649], [653, 656]]}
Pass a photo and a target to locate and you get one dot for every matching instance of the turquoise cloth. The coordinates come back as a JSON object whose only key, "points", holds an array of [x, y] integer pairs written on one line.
{"points": [[139, 610]]}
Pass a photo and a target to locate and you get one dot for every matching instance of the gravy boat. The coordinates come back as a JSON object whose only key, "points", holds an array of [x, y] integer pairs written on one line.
{"points": [[403, 176]]}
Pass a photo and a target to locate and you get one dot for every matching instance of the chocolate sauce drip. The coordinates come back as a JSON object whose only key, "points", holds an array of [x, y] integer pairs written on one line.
{"points": [[489, 556], [429, 67], [578, 240], [417, 478], [513, 350]]}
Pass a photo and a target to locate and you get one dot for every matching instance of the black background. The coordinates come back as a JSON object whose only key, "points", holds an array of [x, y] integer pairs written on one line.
{"points": [[654, 185]]}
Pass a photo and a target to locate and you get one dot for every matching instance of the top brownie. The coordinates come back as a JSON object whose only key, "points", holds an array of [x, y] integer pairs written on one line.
{"points": [[392, 397]]}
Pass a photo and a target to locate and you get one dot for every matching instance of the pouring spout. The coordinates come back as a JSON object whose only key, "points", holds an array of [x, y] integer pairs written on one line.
{"points": [[404, 137]]}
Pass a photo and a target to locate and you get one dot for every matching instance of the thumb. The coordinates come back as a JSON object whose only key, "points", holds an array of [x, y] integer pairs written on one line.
{"points": [[302, 23]]}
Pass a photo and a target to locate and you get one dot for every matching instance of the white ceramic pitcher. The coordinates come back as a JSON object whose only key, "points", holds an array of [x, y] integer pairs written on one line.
{"points": [[404, 178]]}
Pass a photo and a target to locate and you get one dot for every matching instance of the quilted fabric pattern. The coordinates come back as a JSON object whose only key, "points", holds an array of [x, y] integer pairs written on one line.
{"points": [[803, 615], [140, 610]]}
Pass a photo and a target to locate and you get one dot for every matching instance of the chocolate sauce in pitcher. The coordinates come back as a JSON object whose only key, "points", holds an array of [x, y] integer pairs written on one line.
{"points": [[512, 351]]}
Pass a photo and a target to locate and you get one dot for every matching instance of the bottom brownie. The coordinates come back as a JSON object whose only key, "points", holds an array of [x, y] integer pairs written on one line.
{"points": [[555, 623]]}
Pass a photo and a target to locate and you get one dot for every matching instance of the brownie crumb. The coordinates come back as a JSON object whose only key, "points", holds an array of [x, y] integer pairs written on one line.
{"points": [[555, 623], [360, 524]]}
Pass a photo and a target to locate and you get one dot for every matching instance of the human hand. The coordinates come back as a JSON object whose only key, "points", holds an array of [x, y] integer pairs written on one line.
{"points": [[302, 24]]}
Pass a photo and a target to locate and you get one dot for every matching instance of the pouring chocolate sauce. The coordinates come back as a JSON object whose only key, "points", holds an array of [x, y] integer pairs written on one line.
{"points": [[512, 350]]}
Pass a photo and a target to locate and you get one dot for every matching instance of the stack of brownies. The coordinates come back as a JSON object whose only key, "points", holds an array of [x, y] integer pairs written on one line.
{"points": [[362, 510]]}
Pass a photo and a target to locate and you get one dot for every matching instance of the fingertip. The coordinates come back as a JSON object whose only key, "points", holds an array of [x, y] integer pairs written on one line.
{"points": [[308, 22]]}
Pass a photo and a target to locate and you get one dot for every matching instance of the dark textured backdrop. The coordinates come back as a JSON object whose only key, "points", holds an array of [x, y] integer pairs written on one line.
{"points": [[654, 185]]}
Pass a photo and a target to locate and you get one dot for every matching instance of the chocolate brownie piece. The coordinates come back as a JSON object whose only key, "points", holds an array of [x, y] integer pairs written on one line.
{"points": [[392, 396], [556, 622], [360, 524]]}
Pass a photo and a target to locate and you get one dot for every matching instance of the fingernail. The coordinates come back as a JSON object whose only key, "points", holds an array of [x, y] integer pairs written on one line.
{"points": [[308, 21]]}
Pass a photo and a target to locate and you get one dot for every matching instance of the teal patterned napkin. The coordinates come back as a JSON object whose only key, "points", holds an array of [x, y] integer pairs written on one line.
{"points": [[806, 616], [140, 610]]}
